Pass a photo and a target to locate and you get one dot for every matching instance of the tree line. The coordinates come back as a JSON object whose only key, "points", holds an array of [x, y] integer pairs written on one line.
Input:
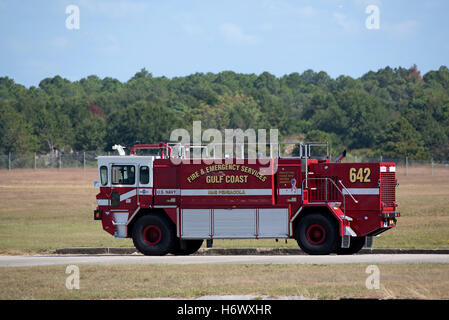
{"points": [[393, 112]]}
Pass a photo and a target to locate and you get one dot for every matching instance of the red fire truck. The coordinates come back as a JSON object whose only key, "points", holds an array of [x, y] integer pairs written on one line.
{"points": [[172, 202]]}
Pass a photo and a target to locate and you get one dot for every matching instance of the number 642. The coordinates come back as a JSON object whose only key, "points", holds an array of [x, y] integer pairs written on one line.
{"points": [[361, 175]]}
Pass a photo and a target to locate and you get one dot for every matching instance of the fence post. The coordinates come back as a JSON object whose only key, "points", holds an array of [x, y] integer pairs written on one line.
{"points": [[9, 161], [406, 166], [35, 161], [432, 166], [60, 161]]}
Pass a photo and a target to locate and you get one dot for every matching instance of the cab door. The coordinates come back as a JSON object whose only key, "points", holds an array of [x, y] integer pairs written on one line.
{"points": [[123, 199], [123, 187]]}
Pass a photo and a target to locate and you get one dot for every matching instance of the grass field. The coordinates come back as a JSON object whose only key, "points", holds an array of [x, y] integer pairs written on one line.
{"points": [[48, 209], [397, 281]]}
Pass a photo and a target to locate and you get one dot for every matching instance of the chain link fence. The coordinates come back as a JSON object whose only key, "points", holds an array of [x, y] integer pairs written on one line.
{"points": [[83, 159], [404, 164], [87, 159]]}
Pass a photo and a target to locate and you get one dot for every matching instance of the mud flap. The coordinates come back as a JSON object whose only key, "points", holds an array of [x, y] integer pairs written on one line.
{"points": [[210, 243], [368, 242], [345, 241]]}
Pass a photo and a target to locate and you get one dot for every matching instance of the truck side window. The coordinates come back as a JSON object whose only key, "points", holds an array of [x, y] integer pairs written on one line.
{"points": [[123, 174], [104, 175], [144, 175]]}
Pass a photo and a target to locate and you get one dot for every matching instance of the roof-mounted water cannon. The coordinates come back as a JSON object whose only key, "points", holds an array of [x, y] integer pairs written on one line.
{"points": [[120, 149]]}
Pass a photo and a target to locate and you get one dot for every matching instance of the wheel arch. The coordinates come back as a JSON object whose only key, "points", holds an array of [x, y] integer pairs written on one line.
{"points": [[148, 211], [324, 210]]}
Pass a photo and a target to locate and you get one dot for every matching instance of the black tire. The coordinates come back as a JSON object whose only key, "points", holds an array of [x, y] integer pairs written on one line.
{"points": [[317, 233], [186, 247], [355, 246], [153, 235]]}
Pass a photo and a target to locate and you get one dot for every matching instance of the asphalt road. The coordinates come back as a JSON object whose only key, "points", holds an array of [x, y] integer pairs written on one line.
{"points": [[29, 261]]}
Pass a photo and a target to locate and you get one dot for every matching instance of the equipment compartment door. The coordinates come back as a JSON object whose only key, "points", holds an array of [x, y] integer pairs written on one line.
{"points": [[272, 223], [289, 183], [234, 223]]}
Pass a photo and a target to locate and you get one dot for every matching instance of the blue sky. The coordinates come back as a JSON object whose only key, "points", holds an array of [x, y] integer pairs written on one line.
{"points": [[171, 38]]}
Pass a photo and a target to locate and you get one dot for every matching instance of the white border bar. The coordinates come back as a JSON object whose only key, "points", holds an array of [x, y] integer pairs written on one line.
{"points": [[362, 191]]}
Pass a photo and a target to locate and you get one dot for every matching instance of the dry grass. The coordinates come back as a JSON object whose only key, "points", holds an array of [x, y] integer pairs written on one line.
{"points": [[397, 281], [424, 205], [47, 209]]}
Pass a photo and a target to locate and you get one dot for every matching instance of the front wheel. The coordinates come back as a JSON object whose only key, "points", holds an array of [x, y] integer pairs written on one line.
{"points": [[153, 235], [316, 233]]}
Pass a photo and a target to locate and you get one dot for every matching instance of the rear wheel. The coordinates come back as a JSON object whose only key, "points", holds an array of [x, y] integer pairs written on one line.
{"points": [[186, 247], [355, 246], [316, 233], [153, 235]]}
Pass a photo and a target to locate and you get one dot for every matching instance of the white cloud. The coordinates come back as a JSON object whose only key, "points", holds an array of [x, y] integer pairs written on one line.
{"points": [[278, 7], [307, 11], [188, 22], [18, 46], [365, 3], [403, 28], [115, 9], [39, 64], [266, 27], [107, 45], [235, 34], [192, 29], [400, 29], [347, 24], [59, 42]]}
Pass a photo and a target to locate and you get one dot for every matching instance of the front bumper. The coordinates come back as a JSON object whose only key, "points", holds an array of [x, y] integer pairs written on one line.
{"points": [[389, 214], [389, 219]]}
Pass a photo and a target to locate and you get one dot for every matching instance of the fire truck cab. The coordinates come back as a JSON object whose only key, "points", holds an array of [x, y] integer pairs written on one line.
{"points": [[171, 202]]}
